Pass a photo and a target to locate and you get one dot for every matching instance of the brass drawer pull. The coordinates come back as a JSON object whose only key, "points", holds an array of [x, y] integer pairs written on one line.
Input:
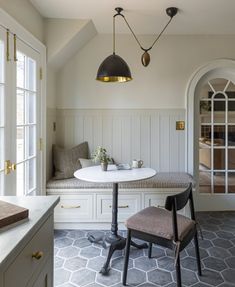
{"points": [[121, 206], [37, 255], [70, 206]]}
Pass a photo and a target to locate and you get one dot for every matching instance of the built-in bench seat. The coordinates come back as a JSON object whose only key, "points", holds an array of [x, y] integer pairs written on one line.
{"points": [[89, 205]]}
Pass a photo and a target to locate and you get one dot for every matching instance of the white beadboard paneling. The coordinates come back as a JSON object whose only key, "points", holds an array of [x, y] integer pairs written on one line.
{"points": [[155, 142], [165, 139], [149, 135]]}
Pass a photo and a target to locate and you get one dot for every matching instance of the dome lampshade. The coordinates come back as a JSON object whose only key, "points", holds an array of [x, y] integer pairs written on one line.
{"points": [[114, 69]]}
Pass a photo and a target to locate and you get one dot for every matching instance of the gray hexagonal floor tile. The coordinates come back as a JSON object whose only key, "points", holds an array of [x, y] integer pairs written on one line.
{"points": [[135, 253], [211, 277], [232, 251], [157, 252], [209, 234], [58, 233], [225, 234], [210, 227], [203, 252], [135, 277], [220, 242], [75, 263], [219, 252], [214, 263], [231, 262], [68, 252], [90, 252], [205, 243], [96, 263], [167, 263], [63, 242], [117, 263], [58, 262], [188, 277], [61, 276], [75, 234], [159, 277], [112, 278], [82, 242], [83, 277], [229, 275], [145, 264], [189, 263]]}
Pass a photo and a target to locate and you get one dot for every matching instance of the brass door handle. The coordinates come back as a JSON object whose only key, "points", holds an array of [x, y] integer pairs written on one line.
{"points": [[9, 166], [37, 255], [120, 206], [70, 206]]}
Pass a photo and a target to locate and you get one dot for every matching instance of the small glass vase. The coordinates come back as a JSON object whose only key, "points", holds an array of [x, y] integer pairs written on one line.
{"points": [[104, 166]]}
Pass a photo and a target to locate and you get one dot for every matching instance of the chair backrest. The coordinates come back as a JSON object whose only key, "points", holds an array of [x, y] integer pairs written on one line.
{"points": [[180, 199], [177, 202]]}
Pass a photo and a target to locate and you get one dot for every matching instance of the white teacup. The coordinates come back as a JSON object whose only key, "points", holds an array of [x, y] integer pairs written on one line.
{"points": [[137, 163]]}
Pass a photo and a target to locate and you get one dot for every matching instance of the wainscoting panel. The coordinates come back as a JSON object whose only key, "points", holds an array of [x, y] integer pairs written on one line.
{"points": [[149, 135]]}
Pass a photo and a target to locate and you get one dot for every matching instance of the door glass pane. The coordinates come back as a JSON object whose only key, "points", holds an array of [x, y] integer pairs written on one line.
{"points": [[31, 75], [21, 69], [20, 144], [231, 159], [204, 157], [231, 182], [20, 179], [205, 182], [231, 135], [1, 61], [219, 182], [20, 107], [31, 171], [26, 123], [219, 158], [31, 141], [31, 108], [219, 135], [1, 149]]}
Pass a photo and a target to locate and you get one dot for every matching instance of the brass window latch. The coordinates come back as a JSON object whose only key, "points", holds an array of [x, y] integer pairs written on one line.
{"points": [[9, 166]]}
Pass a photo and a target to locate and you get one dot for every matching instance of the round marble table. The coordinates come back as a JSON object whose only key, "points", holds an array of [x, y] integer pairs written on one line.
{"points": [[114, 176]]}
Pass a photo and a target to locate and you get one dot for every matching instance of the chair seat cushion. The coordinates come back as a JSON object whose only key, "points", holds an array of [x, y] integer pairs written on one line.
{"points": [[158, 221]]}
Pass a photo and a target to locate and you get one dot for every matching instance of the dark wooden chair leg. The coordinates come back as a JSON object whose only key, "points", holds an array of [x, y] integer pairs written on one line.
{"points": [[197, 254], [150, 250], [178, 272], [127, 252]]}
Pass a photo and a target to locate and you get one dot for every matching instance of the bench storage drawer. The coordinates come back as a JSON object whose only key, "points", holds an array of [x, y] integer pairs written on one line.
{"points": [[128, 204], [74, 207]]}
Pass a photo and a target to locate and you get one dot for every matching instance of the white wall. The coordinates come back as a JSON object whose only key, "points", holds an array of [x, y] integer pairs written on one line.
{"points": [[160, 85], [25, 13]]}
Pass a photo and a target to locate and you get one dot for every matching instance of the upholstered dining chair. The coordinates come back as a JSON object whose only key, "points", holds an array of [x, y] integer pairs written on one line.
{"points": [[163, 226]]}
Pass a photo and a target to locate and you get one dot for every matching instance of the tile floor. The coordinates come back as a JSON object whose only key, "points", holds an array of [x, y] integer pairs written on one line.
{"points": [[77, 261]]}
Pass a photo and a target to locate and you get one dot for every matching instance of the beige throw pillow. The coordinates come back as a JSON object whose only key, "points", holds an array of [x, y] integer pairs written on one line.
{"points": [[87, 162], [66, 161]]}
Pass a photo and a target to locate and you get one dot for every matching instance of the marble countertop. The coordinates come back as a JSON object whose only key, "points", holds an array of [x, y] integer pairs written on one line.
{"points": [[13, 236]]}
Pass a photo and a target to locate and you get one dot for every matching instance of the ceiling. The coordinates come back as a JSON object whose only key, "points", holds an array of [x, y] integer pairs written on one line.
{"points": [[147, 16]]}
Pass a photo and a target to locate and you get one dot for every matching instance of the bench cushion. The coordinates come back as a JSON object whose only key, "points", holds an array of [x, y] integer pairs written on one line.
{"points": [[160, 180]]}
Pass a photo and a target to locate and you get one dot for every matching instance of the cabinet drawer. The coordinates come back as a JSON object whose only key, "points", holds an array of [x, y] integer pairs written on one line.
{"points": [[74, 207], [25, 265], [127, 206], [158, 200]]}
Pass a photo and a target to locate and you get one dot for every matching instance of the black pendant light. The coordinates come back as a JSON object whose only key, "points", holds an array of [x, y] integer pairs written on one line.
{"points": [[114, 68]]}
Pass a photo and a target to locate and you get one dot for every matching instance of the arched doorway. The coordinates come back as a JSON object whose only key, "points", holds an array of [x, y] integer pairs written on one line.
{"points": [[210, 132]]}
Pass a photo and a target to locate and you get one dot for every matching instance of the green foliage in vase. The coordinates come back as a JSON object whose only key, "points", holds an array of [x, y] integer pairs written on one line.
{"points": [[100, 155]]}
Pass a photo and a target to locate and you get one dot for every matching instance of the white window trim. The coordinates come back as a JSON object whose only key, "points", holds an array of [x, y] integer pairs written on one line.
{"points": [[16, 28]]}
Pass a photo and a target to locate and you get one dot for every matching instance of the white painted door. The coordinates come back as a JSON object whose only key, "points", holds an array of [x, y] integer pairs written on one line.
{"points": [[19, 118], [216, 144]]}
